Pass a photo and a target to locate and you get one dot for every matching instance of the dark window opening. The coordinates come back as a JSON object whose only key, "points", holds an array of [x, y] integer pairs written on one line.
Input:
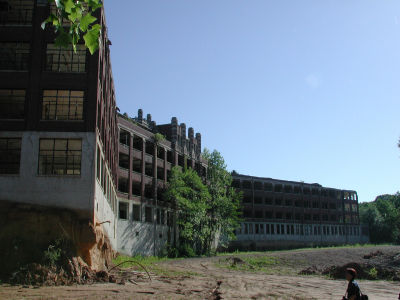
{"points": [[306, 191], [136, 188], [12, 104], [14, 56], [297, 190], [170, 158], [149, 148], [148, 169], [16, 12], [148, 191], [268, 186], [160, 152], [236, 183], [137, 165], [278, 201], [123, 161], [268, 200], [136, 212], [123, 185], [258, 214], [123, 210], [315, 204], [288, 189], [247, 213], [316, 217], [288, 216], [315, 192], [279, 215], [257, 200], [278, 188], [181, 161], [246, 184], [10, 155], [247, 199], [124, 137], [148, 214], [288, 202], [137, 143], [268, 214], [160, 173], [258, 186]]}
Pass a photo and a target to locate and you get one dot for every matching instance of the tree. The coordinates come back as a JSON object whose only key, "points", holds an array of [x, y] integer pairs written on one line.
{"points": [[383, 218], [72, 21], [224, 203], [189, 197]]}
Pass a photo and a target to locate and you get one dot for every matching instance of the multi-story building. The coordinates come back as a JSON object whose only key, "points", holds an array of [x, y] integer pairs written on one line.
{"points": [[146, 220], [58, 125], [280, 213]]}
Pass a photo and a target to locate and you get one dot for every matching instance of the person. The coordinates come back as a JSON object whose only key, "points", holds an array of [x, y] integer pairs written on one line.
{"points": [[353, 290]]}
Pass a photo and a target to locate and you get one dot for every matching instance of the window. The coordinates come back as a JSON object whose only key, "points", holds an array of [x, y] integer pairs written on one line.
{"points": [[12, 104], [148, 214], [10, 155], [16, 12], [14, 56], [60, 156], [123, 210], [62, 105], [65, 60]]}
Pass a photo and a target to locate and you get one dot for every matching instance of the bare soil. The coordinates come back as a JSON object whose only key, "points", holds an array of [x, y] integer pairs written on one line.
{"points": [[214, 278]]}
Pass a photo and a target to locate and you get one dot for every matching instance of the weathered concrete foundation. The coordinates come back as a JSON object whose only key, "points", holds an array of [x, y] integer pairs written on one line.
{"points": [[27, 231]]}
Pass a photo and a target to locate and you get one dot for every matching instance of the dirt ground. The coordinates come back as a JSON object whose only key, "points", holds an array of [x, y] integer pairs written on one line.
{"points": [[209, 279]]}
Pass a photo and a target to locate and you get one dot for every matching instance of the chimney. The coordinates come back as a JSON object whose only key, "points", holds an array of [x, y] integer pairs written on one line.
{"points": [[140, 115], [174, 130], [149, 118], [198, 139]]}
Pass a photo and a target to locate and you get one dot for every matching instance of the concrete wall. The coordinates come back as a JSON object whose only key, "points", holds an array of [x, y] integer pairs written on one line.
{"points": [[74, 192], [137, 238]]}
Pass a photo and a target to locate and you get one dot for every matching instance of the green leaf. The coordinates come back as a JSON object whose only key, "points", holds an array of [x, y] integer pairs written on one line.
{"points": [[92, 38], [63, 39], [69, 5], [86, 21]]}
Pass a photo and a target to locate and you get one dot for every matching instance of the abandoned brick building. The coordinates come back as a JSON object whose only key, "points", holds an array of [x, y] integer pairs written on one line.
{"points": [[280, 213], [145, 218], [64, 148], [58, 131]]}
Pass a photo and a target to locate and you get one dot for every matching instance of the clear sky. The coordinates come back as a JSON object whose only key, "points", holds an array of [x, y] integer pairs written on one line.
{"points": [[295, 90]]}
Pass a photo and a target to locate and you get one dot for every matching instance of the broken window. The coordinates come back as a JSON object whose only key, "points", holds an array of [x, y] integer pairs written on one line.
{"points": [[148, 169], [246, 184], [315, 204], [123, 210], [288, 188], [136, 212], [258, 186], [170, 158], [123, 161], [160, 152], [160, 173], [278, 188], [62, 105], [123, 185], [12, 104], [296, 189], [16, 12], [315, 192], [148, 214], [148, 191], [137, 165], [14, 56], [10, 155], [137, 143], [70, 60], [258, 200], [268, 187], [124, 137], [149, 147], [136, 188], [60, 156], [306, 191], [181, 161]]}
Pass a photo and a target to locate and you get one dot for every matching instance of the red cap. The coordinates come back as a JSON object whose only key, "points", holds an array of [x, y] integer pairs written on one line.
{"points": [[351, 271]]}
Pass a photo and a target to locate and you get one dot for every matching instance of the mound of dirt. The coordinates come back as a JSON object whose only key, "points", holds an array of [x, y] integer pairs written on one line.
{"points": [[364, 271], [373, 254]]}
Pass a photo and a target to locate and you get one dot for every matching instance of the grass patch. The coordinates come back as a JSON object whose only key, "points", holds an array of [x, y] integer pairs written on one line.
{"points": [[152, 264], [237, 252], [265, 264]]}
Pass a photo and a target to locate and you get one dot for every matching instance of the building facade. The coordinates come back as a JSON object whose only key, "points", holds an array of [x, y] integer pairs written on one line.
{"points": [[280, 213], [146, 220], [58, 125]]}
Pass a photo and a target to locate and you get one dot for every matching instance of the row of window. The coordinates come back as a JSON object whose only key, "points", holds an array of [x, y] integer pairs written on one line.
{"points": [[105, 179], [56, 156], [163, 217], [56, 104], [292, 189], [297, 229], [268, 214], [15, 56], [279, 201], [16, 12]]}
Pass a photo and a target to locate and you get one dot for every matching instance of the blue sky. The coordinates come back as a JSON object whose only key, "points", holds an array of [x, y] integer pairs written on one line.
{"points": [[296, 90]]}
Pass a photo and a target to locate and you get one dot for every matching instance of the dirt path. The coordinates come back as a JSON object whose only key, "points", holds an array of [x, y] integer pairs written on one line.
{"points": [[212, 282]]}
